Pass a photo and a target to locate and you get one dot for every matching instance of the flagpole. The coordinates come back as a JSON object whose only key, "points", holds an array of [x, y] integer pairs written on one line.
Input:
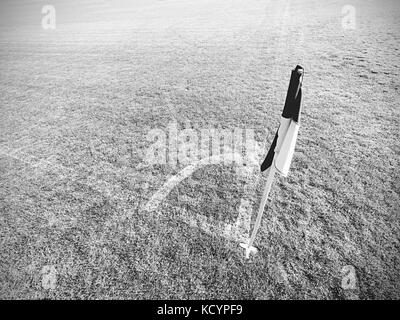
{"points": [[249, 247]]}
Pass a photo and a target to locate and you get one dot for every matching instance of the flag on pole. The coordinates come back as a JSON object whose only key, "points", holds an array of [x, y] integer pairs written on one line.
{"points": [[280, 154], [282, 149]]}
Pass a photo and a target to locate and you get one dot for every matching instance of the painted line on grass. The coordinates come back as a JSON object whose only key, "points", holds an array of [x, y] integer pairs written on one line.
{"points": [[238, 231]]}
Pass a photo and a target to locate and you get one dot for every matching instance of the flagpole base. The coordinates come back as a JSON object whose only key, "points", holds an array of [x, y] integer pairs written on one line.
{"points": [[248, 249]]}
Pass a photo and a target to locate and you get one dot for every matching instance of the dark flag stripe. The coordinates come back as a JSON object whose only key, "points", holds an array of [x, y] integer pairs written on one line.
{"points": [[293, 97], [270, 156]]}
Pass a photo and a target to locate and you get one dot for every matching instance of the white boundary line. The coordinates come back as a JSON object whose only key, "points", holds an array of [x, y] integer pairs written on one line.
{"points": [[237, 232]]}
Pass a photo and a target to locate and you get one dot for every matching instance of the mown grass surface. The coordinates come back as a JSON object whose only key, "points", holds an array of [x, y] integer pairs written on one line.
{"points": [[77, 103]]}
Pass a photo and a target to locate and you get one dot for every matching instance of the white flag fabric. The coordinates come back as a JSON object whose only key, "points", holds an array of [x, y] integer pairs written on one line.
{"points": [[285, 154], [282, 130]]}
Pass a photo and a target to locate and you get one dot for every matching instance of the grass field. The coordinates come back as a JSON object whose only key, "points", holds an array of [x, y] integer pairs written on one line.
{"points": [[78, 102]]}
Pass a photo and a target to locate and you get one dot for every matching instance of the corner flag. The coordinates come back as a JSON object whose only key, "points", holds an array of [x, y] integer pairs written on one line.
{"points": [[280, 154]]}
